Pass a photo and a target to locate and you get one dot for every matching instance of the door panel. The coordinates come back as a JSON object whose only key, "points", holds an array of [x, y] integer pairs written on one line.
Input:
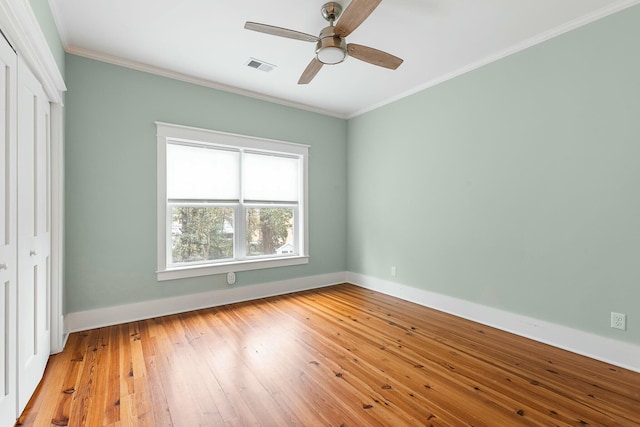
{"points": [[8, 235], [33, 234]]}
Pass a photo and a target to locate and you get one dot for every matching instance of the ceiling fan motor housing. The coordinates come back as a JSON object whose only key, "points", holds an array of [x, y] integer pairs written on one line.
{"points": [[331, 48]]}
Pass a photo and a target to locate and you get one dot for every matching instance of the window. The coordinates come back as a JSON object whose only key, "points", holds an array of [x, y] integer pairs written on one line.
{"points": [[228, 202]]}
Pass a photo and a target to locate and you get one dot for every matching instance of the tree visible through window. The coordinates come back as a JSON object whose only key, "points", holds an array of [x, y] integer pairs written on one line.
{"points": [[201, 234], [268, 229]]}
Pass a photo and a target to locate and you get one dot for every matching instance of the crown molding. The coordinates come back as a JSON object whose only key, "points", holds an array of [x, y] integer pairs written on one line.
{"points": [[22, 30], [163, 72]]}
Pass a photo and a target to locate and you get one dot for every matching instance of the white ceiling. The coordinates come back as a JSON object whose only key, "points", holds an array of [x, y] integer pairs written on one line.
{"points": [[204, 41]]}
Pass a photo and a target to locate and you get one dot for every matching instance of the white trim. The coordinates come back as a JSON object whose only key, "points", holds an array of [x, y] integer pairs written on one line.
{"points": [[537, 39], [181, 132], [100, 317], [21, 27], [619, 353], [163, 72], [58, 338], [209, 269]]}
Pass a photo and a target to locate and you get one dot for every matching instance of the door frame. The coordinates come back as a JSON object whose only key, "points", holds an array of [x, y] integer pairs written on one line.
{"points": [[20, 26]]}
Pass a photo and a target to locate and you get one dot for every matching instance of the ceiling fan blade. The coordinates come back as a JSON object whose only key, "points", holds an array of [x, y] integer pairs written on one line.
{"points": [[373, 56], [278, 31], [310, 72], [354, 15]]}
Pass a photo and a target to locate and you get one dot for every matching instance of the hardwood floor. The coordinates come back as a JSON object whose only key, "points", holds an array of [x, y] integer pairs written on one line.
{"points": [[335, 356]]}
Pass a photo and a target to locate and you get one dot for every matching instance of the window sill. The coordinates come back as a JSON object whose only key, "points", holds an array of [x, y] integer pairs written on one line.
{"points": [[206, 270]]}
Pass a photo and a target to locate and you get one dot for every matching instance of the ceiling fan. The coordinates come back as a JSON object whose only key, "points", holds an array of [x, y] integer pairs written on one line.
{"points": [[331, 45]]}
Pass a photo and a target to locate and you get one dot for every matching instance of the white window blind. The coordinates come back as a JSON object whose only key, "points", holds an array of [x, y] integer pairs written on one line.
{"points": [[270, 178], [201, 173]]}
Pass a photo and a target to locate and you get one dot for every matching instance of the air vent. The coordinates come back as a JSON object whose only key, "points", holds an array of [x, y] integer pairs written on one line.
{"points": [[260, 65]]}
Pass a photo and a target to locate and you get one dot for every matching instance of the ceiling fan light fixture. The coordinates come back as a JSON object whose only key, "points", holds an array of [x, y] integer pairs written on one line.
{"points": [[330, 49], [331, 55]]}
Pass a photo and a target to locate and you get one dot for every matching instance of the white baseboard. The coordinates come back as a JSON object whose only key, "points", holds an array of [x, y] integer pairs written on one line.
{"points": [[100, 317], [619, 353]]}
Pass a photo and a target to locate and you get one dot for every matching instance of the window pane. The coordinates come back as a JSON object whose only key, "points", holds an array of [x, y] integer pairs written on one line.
{"points": [[202, 173], [201, 233], [270, 231], [270, 178]]}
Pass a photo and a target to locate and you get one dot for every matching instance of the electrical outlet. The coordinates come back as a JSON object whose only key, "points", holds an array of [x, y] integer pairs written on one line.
{"points": [[393, 271], [231, 278], [619, 321]]}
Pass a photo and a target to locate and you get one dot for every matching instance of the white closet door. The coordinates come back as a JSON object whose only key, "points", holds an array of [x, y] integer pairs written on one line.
{"points": [[8, 267], [34, 240]]}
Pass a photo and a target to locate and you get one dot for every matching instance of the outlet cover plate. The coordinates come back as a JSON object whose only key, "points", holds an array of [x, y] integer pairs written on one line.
{"points": [[231, 278], [619, 321]]}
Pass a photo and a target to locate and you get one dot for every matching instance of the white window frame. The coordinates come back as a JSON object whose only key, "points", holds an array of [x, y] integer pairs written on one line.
{"points": [[170, 132]]}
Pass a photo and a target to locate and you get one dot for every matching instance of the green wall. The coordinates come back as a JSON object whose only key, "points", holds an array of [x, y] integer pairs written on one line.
{"points": [[516, 185], [111, 179]]}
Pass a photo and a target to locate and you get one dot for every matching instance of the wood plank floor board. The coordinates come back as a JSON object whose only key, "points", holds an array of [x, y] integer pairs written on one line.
{"points": [[147, 370], [85, 387], [337, 356]]}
